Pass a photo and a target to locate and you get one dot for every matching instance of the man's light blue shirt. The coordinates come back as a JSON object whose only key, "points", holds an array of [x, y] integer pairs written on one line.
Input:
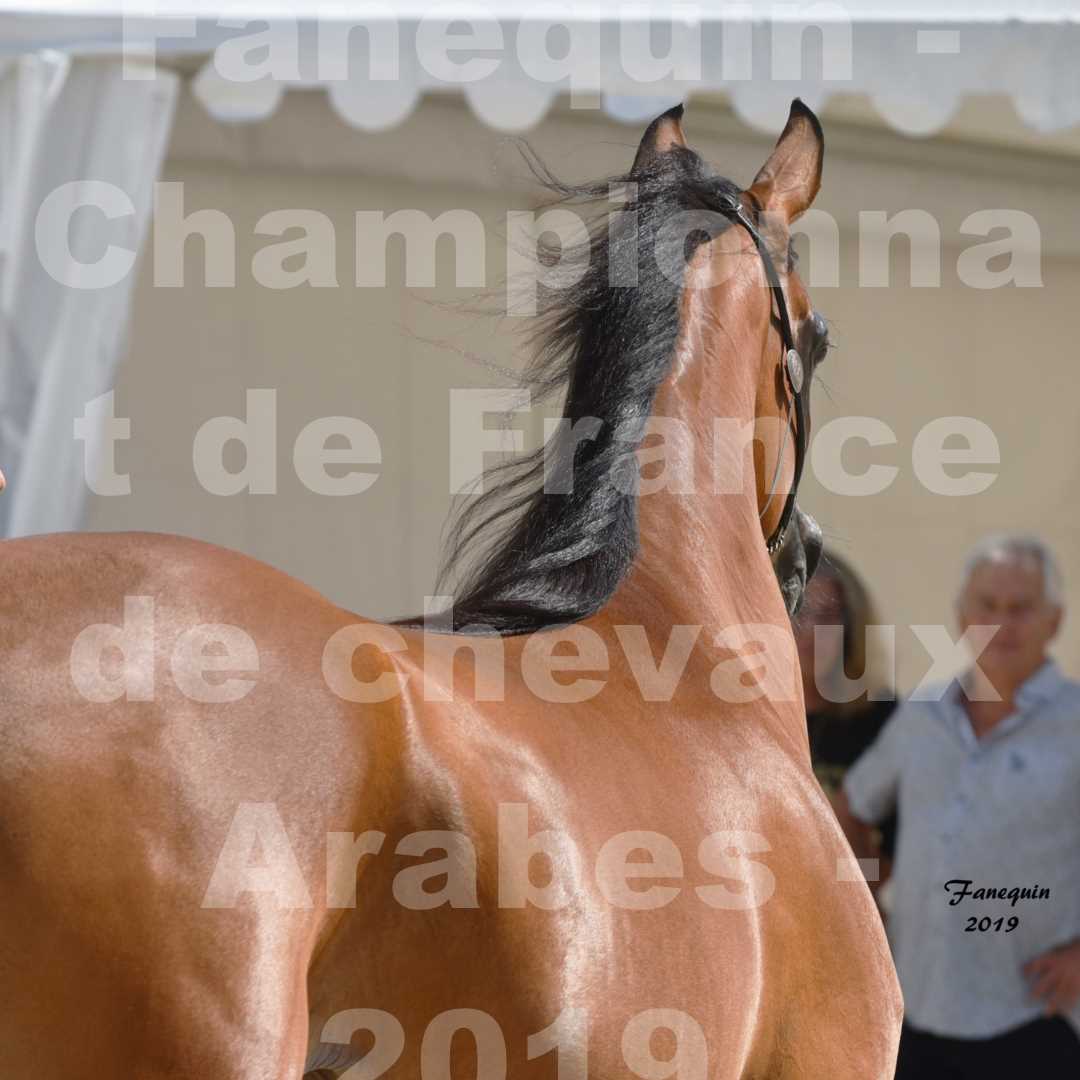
{"points": [[1001, 812]]}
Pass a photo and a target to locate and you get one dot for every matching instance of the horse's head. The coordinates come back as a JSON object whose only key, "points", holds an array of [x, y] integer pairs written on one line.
{"points": [[743, 295], [683, 305], [783, 189]]}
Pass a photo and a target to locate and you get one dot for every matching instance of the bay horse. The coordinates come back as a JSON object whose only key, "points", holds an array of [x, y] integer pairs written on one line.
{"points": [[247, 834]]}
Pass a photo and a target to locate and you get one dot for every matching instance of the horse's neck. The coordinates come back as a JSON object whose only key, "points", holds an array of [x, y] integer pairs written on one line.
{"points": [[701, 556]]}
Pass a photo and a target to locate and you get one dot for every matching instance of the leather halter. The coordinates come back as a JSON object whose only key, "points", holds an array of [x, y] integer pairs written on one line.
{"points": [[795, 377]]}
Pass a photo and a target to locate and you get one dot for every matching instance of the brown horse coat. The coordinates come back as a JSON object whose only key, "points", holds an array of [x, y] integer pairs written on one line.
{"points": [[690, 884]]}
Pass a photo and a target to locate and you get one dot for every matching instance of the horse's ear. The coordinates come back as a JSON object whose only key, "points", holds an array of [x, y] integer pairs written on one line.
{"points": [[662, 135], [788, 182]]}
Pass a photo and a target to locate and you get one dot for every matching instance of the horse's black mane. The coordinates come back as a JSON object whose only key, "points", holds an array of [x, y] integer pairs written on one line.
{"points": [[549, 558]]}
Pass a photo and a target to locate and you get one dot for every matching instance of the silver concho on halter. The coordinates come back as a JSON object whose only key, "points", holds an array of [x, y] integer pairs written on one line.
{"points": [[794, 369]]}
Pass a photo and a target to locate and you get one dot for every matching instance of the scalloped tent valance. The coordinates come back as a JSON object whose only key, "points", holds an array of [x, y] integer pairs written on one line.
{"points": [[914, 60]]}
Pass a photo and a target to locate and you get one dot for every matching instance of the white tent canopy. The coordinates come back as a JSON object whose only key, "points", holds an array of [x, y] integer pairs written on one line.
{"points": [[914, 59]]}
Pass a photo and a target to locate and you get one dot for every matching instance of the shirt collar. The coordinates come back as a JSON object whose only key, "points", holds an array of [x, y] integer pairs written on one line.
{"points": [[1042, 685]]}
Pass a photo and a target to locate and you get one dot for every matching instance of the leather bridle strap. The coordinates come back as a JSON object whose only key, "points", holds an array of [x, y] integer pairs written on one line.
{"points": [[794, 375]]}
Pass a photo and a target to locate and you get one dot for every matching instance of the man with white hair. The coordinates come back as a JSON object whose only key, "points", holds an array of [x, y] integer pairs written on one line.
{"points": [[985, 771]]}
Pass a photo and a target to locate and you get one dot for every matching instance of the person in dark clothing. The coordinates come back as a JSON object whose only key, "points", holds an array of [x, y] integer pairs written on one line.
{"points": [[846, 705]]}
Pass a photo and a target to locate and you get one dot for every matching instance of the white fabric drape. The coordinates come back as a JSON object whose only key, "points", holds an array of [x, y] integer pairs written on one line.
{"points": [[66, 121]]}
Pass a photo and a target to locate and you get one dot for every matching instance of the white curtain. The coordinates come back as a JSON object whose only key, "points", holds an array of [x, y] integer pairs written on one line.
{"points": [[66, 123]]}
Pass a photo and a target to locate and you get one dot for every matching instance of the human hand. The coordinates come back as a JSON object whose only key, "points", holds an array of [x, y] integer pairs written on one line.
{"points": [[1055, 977]]}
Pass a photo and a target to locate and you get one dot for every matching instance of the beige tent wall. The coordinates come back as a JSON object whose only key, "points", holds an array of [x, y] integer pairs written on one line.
{"points": [[389, 355]]}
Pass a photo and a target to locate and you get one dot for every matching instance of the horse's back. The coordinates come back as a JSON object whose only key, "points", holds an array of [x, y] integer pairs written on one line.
{"points": [[137, 645], [124, 757]]}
